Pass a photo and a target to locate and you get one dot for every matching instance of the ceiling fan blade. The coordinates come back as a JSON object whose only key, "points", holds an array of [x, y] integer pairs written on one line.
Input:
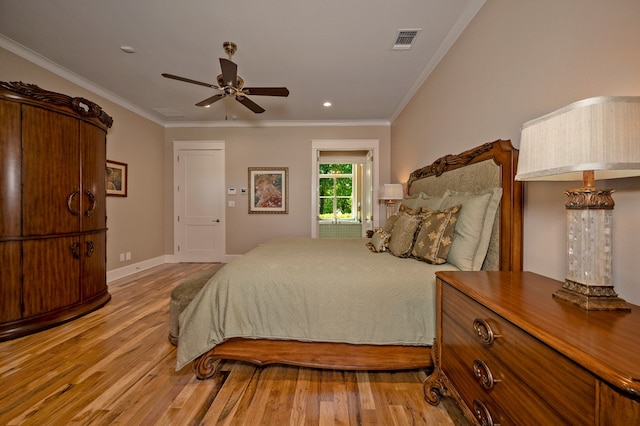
{"points": [[229, 72], [212, 99], [266, 91], [250, 104], [188, 80]]}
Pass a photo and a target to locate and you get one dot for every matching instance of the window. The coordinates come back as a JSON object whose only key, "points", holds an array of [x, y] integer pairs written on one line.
{"points": [[336, 193]]}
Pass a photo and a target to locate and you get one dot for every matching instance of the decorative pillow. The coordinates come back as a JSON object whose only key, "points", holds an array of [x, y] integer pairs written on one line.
{"points": [[404, 209], [420, 200], [403, 234], [388, 225], [473, 228], [379, 241], [435, 236]]}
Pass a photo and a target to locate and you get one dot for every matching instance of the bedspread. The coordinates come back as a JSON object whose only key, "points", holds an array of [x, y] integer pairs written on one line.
{"points": [[310, 289]]}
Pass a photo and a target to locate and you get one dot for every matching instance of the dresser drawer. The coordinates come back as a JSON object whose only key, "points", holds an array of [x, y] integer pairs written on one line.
{"points": [[562, 384], [464, 361], [466, 385]]}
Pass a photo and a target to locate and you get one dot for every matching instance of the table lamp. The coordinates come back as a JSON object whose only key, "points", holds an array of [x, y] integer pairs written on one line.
{"points": [[593, 139], [389, 194]]}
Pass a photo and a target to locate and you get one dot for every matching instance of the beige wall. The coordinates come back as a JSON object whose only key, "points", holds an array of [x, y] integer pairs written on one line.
{"points": [[518, 60], [142, 223], [136, 223], [266, 147]]}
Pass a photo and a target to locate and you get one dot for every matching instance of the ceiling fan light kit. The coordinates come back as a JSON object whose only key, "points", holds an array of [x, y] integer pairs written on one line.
{"points": [[231, 84]]}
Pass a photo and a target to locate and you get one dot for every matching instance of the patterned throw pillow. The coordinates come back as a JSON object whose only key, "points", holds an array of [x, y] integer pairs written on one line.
{"points": [[436, 235], [403, 233], [379, 241]]}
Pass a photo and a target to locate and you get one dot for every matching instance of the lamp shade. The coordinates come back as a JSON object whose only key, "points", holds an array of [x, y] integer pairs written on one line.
{"points": [[391, 191], [600, 134]]}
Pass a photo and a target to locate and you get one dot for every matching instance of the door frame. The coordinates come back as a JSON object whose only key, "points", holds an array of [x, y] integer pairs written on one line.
{"points": [[213, 145], [319, 145]]}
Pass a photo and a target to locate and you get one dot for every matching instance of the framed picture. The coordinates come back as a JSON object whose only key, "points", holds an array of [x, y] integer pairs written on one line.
{"points": [[117, 176], [269, 190]]}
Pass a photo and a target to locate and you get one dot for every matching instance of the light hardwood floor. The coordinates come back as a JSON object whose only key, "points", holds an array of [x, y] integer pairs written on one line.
{"points": [[115, 366]]}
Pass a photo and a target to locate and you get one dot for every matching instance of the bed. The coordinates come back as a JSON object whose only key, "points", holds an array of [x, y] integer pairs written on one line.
{"points": [[279, 304]]}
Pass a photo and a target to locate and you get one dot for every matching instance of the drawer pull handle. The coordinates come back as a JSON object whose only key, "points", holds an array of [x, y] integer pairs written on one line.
{"points": [[484, 331], [482, 414], [75, 250], [94, 203], [90, 248], [70, 201], [483, 374]]}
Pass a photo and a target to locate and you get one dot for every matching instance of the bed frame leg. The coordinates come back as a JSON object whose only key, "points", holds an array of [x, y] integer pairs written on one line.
{"points": [[206, 366]]}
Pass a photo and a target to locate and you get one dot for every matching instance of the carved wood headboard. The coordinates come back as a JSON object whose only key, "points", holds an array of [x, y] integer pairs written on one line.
{"points": [[489, 165]]}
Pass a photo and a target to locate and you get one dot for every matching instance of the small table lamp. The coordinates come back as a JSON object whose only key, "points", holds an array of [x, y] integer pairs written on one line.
{"points": [[596, 138], [390, 193]]}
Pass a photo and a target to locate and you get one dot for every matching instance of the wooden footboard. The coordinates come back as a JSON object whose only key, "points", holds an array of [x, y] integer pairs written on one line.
{"points": [[340, 356]]}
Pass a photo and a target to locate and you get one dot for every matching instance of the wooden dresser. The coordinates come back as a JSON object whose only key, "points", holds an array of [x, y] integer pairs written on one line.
{"points": [[52, 204], [510, 353]]}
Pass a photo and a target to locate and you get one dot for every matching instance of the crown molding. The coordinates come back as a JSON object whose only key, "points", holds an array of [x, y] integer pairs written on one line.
{"points": [[39, 60]]}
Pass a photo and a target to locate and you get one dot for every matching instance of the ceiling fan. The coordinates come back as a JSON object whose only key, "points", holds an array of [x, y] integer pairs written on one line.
{"points": [[230, 84]]}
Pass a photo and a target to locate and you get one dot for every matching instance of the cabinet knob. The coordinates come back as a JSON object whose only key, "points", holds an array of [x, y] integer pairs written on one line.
{"points": [[483, 374], [484, 331], [482, 414]]}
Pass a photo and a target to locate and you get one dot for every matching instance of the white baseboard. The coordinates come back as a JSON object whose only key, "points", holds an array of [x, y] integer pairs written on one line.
{"points": [[125, 271]]}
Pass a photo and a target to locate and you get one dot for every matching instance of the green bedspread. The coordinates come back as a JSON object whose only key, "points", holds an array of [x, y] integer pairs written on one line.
{"points": [[310, 289]]}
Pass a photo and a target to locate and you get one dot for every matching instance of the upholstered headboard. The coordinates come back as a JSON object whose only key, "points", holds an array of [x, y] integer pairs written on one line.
{"points": [[487, 166]]}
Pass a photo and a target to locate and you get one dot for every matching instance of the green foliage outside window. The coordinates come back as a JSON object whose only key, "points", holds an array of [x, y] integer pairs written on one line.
{"points": [[336, 192]]}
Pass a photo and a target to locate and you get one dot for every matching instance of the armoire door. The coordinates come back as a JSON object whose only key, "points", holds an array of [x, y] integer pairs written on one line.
{"points": [[51, 274], [93, 151], [10, 281], [93, 268], [10, 170], [50, 172]]}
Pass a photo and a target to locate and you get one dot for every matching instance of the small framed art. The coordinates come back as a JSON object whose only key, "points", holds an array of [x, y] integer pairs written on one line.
{"points": [[117, 176], [269, 190]]}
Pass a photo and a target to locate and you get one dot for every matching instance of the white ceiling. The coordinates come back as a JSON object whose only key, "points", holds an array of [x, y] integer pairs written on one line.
{"points": [[322, 50]]}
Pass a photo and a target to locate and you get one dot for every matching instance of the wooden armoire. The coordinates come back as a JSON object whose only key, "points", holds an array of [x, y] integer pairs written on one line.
{"points": [[52, 208]]}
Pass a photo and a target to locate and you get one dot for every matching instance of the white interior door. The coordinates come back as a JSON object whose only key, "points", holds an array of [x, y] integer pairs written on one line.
{"points": [[199, 195]]}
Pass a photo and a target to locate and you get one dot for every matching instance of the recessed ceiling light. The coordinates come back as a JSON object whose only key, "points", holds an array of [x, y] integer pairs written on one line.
{"points": [[327, 104], [127, 49]]}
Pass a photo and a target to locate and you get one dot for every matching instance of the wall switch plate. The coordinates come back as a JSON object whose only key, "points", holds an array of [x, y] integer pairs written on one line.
{"points": [[232, 204], [128, 255], [121, 257]]}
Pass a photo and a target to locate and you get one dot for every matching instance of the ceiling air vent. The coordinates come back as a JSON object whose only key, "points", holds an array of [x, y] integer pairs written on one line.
{"points": [[404, 39]]}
